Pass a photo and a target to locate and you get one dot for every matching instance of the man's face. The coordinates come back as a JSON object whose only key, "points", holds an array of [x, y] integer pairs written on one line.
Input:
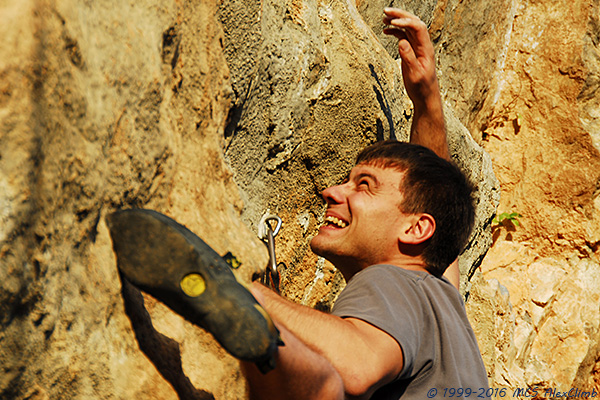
{"points": [[362, 219]]}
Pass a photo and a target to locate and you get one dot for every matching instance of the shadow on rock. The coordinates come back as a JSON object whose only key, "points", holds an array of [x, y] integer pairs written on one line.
{"points": [[162, 351]]}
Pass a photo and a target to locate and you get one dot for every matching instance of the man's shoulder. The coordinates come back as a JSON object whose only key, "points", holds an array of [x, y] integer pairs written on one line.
{"points": [[413, 289], [384, 272]]}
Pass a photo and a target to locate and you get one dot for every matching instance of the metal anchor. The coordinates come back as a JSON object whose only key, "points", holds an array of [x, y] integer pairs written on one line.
{"points": [[267, 234]]}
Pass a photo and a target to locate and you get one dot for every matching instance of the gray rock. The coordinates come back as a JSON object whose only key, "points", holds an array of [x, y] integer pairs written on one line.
{"points": [[478, 165]]}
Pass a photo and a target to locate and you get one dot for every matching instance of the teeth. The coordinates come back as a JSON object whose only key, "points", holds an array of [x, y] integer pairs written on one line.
{"points": [[336, 221]]}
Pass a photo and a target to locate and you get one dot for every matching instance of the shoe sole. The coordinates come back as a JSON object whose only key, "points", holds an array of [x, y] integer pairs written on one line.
{"points": [[168, 261]]}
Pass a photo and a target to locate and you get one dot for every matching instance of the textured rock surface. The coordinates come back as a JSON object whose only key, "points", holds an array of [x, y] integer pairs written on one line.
{"points": [[108, 105], [217, 112], [541, 328]]}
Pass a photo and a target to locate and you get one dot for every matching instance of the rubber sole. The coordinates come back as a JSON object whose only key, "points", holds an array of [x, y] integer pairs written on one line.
{"points": [[171, 263]]}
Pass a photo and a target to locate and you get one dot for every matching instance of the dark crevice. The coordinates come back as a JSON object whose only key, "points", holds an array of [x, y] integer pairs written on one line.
{"points": [[73, 51], [48, 333], [170, 46], [383, 103], [233, 118], [22, 304], [379, 133]]}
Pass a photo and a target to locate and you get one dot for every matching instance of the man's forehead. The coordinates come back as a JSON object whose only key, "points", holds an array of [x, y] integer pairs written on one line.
{"points": [[382, 174]]}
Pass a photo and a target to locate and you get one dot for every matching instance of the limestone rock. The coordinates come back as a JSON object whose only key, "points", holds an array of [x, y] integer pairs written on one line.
{"points": [[107, 105], [210, 112], [490, 313], [539, 330]]}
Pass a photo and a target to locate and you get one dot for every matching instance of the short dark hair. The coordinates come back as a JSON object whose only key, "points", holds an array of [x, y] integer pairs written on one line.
{"points": [[434, 186]]}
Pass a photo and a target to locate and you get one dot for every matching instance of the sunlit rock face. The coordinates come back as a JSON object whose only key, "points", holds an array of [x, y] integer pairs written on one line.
{"points": [[216, 113]]}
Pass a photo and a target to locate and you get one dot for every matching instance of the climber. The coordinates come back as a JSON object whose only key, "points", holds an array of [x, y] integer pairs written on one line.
{"points": [[392, 228], [398, 329]]}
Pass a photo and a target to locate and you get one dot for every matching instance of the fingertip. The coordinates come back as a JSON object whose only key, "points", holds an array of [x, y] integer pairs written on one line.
{"points": [[403, 46], [391, 11]]}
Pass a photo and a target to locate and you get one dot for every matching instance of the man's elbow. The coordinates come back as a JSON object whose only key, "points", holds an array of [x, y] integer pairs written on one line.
{"points": [[359, 386]]}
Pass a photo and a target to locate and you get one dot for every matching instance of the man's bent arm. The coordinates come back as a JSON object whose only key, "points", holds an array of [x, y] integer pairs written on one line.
{"points": [[418, 72], [365, 357]]}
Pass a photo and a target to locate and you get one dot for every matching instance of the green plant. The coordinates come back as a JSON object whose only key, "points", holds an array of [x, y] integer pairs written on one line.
{"points": [[504, 218]]}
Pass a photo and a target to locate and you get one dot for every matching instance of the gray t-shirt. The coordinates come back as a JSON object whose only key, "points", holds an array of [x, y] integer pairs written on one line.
{"points": [[426, 315]]}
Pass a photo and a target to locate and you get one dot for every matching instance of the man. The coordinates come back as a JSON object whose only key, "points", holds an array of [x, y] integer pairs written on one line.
{"points": [[399, 329]]}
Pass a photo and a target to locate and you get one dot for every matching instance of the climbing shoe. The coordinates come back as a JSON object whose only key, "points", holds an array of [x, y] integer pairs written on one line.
{"points": [[168, 261]]}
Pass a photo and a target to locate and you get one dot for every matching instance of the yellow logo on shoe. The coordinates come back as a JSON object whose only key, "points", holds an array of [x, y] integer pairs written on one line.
{"points": [[193, 285]]}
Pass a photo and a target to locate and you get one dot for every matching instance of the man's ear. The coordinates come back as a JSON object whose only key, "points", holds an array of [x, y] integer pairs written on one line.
{"points": [[417, 229]]}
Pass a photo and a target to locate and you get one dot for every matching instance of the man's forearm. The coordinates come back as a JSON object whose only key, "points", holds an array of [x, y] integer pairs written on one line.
{"points": [[355, 355], [420, 79], [428, 126], [300, 374], [313, 327]]}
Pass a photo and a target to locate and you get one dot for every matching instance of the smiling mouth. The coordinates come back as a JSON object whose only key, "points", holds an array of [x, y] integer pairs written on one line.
{"points": [[331, 220]]}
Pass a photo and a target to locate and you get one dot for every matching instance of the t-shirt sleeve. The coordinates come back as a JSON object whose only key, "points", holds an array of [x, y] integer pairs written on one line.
{"points": [[388, 303]]}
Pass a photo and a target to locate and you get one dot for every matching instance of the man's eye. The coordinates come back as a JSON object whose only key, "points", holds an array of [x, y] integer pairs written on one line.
{"points": [[363, 183]]}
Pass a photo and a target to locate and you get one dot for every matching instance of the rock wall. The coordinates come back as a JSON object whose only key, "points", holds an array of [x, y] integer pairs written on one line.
{"points": [[109, 105], [215, 113]]}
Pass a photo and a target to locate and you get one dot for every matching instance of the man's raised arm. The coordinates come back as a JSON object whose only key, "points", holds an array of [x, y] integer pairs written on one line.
{"points": [[418, 71]]}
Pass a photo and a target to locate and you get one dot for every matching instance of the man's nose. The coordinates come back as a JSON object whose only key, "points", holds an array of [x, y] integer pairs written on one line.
{"points": [[333, 194]]}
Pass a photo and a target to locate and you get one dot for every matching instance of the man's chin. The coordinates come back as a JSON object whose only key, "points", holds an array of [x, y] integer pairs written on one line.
{"points": [[318, 246], [314, 245]]}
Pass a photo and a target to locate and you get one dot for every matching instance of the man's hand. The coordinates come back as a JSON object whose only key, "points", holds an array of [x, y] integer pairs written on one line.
{"points": [[416, 51], [418, 71]]}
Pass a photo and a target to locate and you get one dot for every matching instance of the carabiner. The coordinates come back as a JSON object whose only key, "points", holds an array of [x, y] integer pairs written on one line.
{"points": [[267, 234]]}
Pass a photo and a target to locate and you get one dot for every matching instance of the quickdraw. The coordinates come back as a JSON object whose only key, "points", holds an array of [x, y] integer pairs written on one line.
{"points": [[267, 234]]}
